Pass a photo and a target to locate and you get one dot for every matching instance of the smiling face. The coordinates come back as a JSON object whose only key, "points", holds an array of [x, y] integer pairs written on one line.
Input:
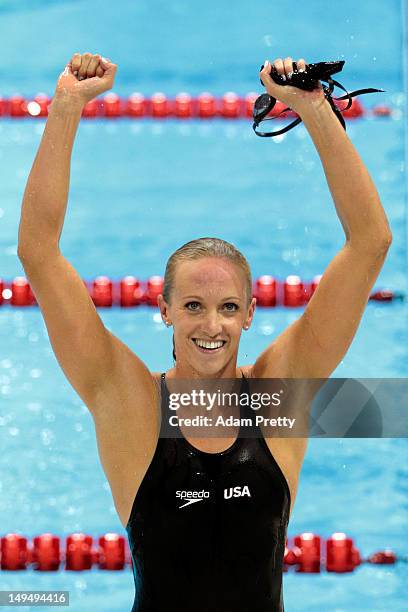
{"points": [[208, 309]]}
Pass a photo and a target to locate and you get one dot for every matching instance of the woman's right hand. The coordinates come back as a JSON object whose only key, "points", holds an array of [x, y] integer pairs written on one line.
{"points": [[297, 99], [85, 77]]}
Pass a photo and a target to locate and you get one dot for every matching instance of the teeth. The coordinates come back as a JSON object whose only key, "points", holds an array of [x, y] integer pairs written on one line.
{"points": [[208, 345]]}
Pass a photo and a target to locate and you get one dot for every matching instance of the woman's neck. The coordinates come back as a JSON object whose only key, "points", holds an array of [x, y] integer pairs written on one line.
{"points": [[186, 371]]}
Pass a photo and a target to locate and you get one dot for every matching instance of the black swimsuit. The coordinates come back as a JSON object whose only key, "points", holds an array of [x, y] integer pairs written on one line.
{"points": [[221, 550]]}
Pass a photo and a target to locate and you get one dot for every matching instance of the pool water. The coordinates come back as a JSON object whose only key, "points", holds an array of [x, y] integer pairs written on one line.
{"points": [[140, 189]]}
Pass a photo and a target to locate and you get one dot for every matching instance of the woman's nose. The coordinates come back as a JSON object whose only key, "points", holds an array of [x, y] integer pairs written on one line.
{"points": [[212, 324]]}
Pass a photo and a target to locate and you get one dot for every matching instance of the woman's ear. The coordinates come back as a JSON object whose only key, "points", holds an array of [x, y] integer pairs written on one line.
{"points": [[250, 315], [164, 309]]}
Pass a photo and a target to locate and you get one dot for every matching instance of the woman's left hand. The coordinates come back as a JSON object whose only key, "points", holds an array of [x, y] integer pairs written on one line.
{"points": [[85, 77], [297, 99]]}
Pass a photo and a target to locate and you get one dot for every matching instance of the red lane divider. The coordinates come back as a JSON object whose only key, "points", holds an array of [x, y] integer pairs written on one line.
{"points": [[47, 553], [339, 554], [182, 106], [131, 291]]}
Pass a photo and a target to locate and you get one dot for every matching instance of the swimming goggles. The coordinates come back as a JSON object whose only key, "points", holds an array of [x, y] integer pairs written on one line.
{"points": [[307, 80]]}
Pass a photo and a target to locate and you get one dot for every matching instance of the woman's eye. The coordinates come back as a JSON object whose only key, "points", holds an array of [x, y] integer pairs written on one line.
{"points": [[231, 306], [194, 306]]}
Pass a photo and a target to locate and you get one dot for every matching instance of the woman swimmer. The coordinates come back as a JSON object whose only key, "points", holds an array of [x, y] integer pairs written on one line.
{"points": [[207, 527]]}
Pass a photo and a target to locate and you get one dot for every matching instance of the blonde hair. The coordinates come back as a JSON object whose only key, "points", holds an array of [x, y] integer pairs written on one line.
{"points": [[198, 249]]}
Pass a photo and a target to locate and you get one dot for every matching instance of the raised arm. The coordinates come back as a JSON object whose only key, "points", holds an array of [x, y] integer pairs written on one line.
{"points": [[92, 358], [314, 345]]}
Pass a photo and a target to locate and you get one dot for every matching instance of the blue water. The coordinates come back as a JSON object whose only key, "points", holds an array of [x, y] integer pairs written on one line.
{"points": [[140, 189]]}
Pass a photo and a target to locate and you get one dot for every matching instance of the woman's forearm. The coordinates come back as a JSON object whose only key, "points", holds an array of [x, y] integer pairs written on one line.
{"points": [[355, 196], [46, 193]]}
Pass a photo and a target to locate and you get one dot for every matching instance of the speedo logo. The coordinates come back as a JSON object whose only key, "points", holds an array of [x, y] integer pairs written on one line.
{"points": [[192, 497]]}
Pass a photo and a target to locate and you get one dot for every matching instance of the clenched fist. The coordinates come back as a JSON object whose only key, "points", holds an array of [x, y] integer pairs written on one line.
{"points": [[297, 99], [85, 77]]}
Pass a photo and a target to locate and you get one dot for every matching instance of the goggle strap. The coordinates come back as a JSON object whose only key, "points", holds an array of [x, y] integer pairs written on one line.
{"points": [[327, 92], [278, 132]]}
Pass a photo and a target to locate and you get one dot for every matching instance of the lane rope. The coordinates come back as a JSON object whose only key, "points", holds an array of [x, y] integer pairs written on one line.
{"points": [[308, 553], [131, 291], [182, 106]]}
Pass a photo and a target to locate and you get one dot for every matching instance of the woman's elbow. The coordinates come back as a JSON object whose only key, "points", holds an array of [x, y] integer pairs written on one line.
{"points": [[375, 244], [385, 241]]}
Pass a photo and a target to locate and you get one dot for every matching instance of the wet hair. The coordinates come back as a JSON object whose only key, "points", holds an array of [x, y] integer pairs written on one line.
{"points": [[198, 249]]}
